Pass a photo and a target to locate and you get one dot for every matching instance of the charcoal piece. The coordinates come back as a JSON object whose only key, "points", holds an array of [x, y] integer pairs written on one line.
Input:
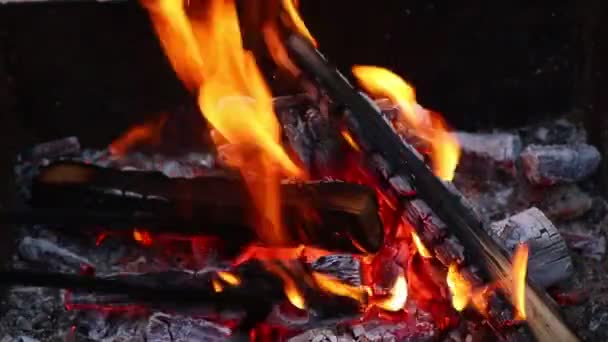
{"points": [[401, 185], [549, 165], [449, 252], [45, 252], [560, 131], [162, 327], [294, 128], [428, 225], [342, 266], [52, 150], [549, 261], [590, 245], [566, 202], [483, 154], [379, 165], [326, 214]]}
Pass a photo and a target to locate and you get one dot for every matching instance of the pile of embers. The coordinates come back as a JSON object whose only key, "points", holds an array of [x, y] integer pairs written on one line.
{"points": [[361, 268]]}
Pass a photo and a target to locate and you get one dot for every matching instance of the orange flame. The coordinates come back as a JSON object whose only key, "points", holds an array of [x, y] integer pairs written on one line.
{"points": [[308, 254], [206, 50], [398, 296], [520, 269], [291, 7], [142, 236], [349, 139], [335, 286], [217, 287], [444, 146], [291, 18], [460, 288], [229, 278], [147, 133], [420, 247]]}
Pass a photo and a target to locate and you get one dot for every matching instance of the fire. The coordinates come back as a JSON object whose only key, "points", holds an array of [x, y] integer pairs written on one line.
{"points": [[420, 247], [306, 253], [349, 139], [147, 133], [290, 6], [217, 287], [444, 146], [398, 296], [520, 269], [337, 287], [460, 288], [142, 237], [229, 278], [203, 42]]}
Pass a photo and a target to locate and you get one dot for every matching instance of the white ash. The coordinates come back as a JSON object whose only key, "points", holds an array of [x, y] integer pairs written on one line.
{"points": [[553, 164], [47, 253]]}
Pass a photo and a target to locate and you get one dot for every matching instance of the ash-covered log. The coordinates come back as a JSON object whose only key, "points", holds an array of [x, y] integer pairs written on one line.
{"points": [[553, 164], [549, 261], [483, 154], [375, 135], [332, 215]]}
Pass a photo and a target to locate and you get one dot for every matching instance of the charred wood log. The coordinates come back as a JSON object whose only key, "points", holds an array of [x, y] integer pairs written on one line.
{"points": [[332, 215], [549, 165], [549, 261], [483, 154], [375, 135]]}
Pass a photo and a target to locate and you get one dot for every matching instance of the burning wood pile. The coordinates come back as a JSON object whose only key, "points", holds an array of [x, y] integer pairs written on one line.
{"points": [[314, 218]]}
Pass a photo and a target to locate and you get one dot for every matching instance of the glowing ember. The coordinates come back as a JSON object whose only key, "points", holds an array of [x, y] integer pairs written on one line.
{"points": [[306, 253], [142, 236], [147, 133], [444, 146], [420, 247], [229, 278], [460, 288], [207, 52], [397, 298], [520, 269], [337, 287]]}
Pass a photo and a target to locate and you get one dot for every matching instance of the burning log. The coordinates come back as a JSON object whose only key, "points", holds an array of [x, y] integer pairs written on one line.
{"points": [[332, 215], [375, 135], [484, 153], [548, 165], [549, 261]]}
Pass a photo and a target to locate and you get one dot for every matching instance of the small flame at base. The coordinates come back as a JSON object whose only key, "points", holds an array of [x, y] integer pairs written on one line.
{"points": [[520, 269], [397, 298], [460, 288]]}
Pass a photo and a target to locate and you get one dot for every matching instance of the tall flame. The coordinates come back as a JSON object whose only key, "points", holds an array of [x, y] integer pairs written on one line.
{"points": [[520, 269], [445, 149], [205, 48]]}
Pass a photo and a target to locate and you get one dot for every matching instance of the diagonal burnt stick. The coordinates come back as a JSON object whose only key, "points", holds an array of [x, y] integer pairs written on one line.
{"points": [[365, 122], [332, 215]]}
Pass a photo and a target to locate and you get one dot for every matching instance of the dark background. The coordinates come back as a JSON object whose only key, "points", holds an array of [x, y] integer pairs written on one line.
{"points": [[84, 64]]}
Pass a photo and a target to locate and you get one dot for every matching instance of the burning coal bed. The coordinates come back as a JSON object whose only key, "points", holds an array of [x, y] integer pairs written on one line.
{"points": [[530, 183]]}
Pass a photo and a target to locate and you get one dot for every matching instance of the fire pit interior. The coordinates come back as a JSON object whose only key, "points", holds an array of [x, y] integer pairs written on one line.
{"points": [[264, 170]]}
